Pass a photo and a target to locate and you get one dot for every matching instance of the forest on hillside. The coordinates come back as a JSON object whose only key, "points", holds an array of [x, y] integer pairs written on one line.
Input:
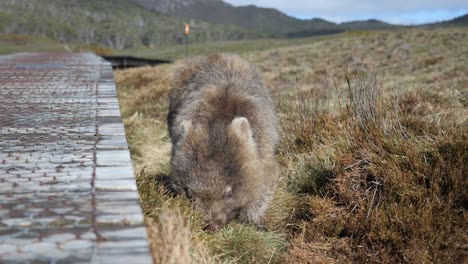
{"points": [[117, 24]]}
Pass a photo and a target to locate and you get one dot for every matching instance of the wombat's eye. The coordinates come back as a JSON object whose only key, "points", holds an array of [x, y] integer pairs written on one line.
{"points": [[228, 195], [188, 193]]}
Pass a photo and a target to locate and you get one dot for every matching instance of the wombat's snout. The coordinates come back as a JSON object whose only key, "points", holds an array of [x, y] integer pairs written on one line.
{"points": [[216, 223]]}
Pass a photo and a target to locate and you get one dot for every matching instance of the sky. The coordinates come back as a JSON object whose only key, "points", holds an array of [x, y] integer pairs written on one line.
{"points": [[404, 12]]}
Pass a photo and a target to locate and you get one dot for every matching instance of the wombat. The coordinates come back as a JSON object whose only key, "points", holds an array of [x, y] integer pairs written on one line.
{"points": [[223, 128]]}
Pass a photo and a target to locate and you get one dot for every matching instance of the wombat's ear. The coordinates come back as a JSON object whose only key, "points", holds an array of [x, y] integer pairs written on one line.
{"points": [[184, 127], [241, 127]]}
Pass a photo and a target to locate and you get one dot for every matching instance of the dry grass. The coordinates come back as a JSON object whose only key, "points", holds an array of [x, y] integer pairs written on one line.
{"points": [[374, 154]]}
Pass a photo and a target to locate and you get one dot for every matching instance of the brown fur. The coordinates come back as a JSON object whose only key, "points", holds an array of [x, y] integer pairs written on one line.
{"points": [[223, 129]]}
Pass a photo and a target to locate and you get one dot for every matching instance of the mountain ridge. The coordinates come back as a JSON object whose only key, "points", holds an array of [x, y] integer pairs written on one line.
{"points": [[267, 20]]}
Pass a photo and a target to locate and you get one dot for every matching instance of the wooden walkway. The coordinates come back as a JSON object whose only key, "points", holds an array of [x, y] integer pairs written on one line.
{"points": [[67, 188]]}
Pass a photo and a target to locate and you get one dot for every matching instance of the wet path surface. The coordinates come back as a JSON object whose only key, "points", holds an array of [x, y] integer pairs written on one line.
{"points": [[67, 190]]}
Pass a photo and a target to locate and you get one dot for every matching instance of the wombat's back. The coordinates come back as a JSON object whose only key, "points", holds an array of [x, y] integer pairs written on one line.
{"points": [[221, 87]]}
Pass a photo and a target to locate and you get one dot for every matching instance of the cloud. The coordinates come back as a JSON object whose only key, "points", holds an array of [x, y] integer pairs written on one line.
{"points": [[396, 11]]}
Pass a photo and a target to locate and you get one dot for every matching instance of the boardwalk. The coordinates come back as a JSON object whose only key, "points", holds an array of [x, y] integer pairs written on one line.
{"points": [[67, 190]]}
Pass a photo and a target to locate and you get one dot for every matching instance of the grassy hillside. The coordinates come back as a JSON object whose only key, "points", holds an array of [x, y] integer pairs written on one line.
{"points": [[374, 154], [370, 24], [118, 24], [238, 46], [462, 20], [12, 43], [458, 21]]}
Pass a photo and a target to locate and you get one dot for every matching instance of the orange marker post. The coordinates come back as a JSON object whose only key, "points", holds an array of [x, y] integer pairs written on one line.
{"points": [[187, 32]]}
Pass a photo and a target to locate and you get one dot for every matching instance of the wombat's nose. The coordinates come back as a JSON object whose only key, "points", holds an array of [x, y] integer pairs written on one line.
{"points": [[215, 225]]}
